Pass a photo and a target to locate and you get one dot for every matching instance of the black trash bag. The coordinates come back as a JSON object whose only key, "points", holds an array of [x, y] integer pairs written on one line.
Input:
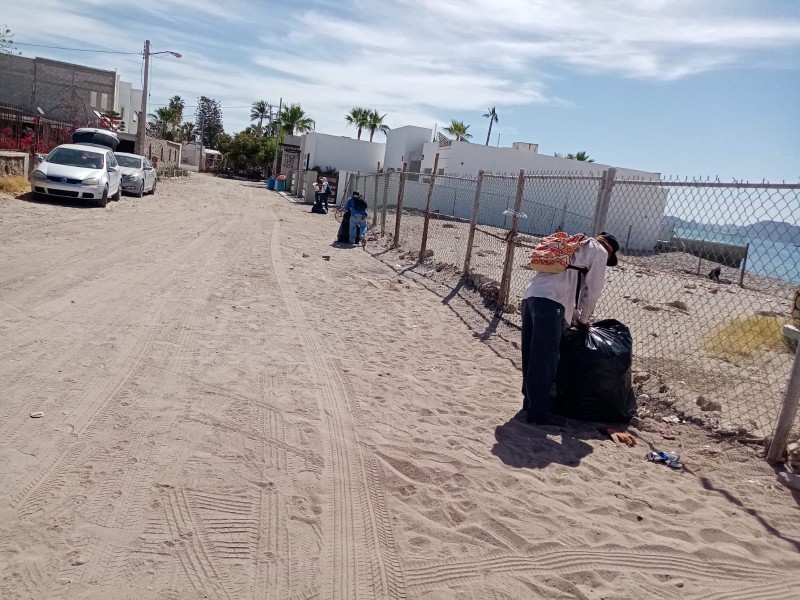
{"points": [[343, 236], [593, 382]]}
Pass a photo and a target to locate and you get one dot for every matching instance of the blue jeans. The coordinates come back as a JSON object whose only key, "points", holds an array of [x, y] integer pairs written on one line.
{"points": [[359, 221], [542, 326]]}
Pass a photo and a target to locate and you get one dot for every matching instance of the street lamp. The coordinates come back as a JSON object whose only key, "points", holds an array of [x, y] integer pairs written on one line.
{"points": [[142, 122]]}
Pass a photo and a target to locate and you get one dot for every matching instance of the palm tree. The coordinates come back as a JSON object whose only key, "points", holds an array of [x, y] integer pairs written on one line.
{"points": [[260, 111], [582, 156], [492, 116], [458, 129], [163, 123], [176, 104], [375, 123], [358, 117], [294, 119], [187, 131]]}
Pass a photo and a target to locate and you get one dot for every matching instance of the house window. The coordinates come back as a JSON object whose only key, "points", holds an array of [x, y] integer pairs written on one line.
{"points": [[162, 153], [93, 99], [122, 115], [104, 101]]}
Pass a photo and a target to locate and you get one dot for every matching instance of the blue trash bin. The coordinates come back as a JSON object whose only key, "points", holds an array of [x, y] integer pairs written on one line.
{"points": [[281, 185], [271, 183]]}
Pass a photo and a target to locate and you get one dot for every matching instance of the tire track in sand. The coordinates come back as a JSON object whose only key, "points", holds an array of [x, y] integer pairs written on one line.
{"points": [[427, 575], [362, 557]]}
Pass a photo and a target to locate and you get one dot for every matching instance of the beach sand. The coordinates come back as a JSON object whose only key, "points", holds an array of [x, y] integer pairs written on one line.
{"points": [[230, 414]]}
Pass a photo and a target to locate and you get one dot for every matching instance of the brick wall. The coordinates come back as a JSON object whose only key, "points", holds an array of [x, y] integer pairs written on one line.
{"points": [[65, 91], [167, 154]]}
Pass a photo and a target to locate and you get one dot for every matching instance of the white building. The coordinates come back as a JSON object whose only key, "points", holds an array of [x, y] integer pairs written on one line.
{"points": [[549, 205], [341, 153], [465, 159], [405, 145], [127, 102], [190, 155]]}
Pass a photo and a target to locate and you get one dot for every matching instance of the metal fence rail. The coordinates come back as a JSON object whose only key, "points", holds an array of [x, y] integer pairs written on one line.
{"points": [[705, 282]]}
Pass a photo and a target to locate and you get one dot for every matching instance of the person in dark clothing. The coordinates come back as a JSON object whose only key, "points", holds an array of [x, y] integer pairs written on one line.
{"points": [[349, 232], [326, 192], [552, 302], [715, 274]]}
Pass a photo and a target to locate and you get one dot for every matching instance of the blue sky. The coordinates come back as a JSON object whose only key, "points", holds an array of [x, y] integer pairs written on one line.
{"points": [[675, 86]]}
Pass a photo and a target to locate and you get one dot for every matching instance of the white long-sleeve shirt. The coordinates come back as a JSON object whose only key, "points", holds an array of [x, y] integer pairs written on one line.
{"points": [[560, 287]]}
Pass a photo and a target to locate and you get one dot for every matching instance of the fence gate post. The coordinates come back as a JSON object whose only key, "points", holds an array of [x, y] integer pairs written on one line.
{"points": [[473, 222], [386, 178], [508, 265], [375, 195], [424, 246], [783, 427], [603, 201], [399, 210]]}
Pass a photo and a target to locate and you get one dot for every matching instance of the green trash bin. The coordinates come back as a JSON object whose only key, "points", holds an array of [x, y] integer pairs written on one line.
{"points": [[281, 185]]}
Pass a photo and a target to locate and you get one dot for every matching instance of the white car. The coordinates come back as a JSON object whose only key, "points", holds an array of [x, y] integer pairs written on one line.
{"points": [[78, 171], [138, 174]]}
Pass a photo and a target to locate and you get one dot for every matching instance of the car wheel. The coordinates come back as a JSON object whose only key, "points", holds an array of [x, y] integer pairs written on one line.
{"points": [[140, 193], [118, 195], [153, 191], [104, 199]]}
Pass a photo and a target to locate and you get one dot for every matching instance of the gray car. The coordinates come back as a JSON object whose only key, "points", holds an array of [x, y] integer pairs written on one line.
{"points": [[138, 174]]}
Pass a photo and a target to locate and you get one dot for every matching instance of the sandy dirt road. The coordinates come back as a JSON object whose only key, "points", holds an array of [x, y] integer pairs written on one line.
{"points": [[229, 414]]}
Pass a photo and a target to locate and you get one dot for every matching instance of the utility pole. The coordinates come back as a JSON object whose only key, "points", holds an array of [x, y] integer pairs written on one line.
{"points": [[142, 123], [200, 161], [277, 138]]}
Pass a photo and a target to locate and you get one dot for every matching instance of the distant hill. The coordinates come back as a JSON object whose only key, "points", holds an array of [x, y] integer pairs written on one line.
{"points": [[776, 231]]}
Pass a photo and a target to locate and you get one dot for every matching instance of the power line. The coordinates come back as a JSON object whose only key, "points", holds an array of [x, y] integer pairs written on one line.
{"points": [[73, 49]]}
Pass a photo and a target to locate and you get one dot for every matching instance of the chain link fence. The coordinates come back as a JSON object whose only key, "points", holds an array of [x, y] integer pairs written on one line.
{"points": [[705, 282]]}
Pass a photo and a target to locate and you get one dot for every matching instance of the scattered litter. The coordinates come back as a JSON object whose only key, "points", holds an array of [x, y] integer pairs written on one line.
{"points": [[511, 213], [671, 459], [81, 560], [663, 388], [430, 273], [305, 255], [643, 398], [619, 437], [671, 419], [37, 415], [398, 267], [666, 434], [326, 257], [679, 304]]}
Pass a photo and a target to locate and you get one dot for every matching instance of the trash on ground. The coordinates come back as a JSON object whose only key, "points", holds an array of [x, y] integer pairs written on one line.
{"points": [[671, 419], [37, 415], [326, 258], [671, 459], [619, 437], [511, 213]]}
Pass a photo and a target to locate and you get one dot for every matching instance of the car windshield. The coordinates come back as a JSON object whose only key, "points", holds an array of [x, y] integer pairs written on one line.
{"points": [[76, 158], [129, 161]]}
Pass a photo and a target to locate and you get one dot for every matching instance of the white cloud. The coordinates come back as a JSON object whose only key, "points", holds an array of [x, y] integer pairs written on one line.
{"points": [[420, 62]]}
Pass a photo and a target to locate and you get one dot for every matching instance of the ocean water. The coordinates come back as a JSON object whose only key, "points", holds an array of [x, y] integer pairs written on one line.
{"points": [[774, 259]]}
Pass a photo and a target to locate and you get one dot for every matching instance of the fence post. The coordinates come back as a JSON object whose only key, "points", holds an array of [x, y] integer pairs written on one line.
{"points": [[744, 265], [783, 427], [508, 265], [424, 246], [603, 201], [386, 178], [399, 210], [473, 222], [375, 195]]}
